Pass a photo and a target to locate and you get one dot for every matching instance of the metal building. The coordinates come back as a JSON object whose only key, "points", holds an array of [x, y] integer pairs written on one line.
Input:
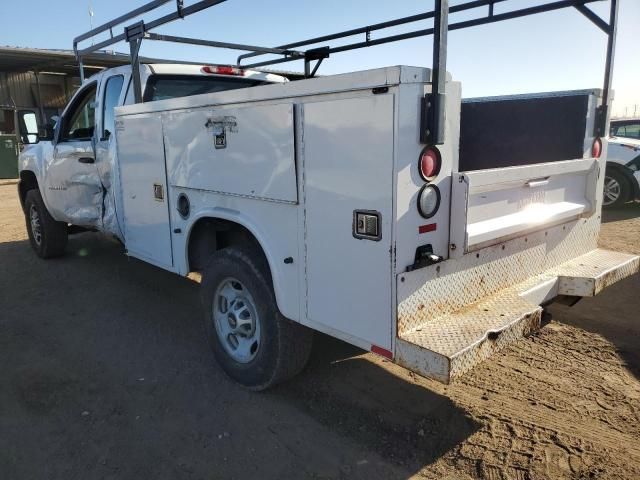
{"points": [[35, 85]]}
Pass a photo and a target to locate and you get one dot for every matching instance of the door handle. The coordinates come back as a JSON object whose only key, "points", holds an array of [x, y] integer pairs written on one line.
{"points": [[538, 182], [87, 160]]}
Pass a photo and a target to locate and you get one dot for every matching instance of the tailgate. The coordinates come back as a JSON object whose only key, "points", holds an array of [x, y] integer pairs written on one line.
{"points": [[491, 206]]}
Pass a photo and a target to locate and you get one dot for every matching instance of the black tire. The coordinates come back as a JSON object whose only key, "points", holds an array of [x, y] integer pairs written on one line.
{"points": [[51, 239], [283, 346], [615, 183]]}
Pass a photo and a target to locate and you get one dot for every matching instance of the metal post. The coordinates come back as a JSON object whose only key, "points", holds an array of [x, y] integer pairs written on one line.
{"points": [[441, 26], [81, 65], [434, 107], [603, 113], [43, 120], [134, 35], [134, 48]]}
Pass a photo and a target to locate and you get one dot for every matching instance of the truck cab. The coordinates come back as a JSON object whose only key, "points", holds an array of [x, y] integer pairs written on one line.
{"points": [[74, 166]]}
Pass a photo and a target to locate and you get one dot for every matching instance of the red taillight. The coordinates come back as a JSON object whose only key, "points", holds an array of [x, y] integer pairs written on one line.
{"points": [[430, 162], [222, 70], [596, 149]]}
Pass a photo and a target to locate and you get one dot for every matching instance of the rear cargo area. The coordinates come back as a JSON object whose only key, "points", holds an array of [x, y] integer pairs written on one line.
{"points": [[524, 222]]}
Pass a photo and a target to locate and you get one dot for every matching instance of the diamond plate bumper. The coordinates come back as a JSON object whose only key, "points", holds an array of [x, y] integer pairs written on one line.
{"points": [[448, 345]]}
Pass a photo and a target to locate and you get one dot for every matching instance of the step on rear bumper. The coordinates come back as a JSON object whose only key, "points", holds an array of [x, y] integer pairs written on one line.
{"points": [[451, 344]]}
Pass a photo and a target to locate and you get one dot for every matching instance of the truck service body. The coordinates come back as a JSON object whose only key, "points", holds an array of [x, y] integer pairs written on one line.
{"points": [[318, 203]]}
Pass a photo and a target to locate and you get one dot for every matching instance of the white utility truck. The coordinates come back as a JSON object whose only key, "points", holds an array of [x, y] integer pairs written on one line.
{"points": [[374, 206]]}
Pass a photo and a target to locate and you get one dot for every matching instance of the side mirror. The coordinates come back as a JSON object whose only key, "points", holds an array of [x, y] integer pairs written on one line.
{"points": [[46, 133]]}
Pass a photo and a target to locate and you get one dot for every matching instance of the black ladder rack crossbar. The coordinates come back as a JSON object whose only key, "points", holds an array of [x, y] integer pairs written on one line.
{"points": [[380, 26], [432, 127]]}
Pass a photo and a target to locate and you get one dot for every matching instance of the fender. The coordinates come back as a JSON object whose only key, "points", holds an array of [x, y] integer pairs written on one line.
{"points": [[32, 159], [628, 174], [284, 276]]}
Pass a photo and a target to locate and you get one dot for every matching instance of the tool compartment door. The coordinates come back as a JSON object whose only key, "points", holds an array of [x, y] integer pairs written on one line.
{"points": [[236, 150], [348, 165], [143, 178]]}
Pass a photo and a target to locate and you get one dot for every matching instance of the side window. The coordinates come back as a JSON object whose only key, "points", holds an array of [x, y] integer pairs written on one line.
{"points": [[110, 101], [80, 120], [633, 130]]}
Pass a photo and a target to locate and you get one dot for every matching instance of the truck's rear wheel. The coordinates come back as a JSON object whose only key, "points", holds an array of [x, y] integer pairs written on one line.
{"points": [[616, 189], [47, 237], [251, 340]]}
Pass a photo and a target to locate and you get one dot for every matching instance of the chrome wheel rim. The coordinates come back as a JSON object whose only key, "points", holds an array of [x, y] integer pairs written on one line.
{"points": [[36, 229], [236, 321], [612, 190]]}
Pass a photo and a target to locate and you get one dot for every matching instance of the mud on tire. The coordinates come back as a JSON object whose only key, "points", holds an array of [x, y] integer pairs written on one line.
{"points": [[48, 237], [253, 343]]}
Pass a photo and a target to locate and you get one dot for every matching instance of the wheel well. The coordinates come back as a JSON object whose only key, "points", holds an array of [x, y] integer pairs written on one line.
{"points": [[28, 181], [626, 173], [209, 235]]}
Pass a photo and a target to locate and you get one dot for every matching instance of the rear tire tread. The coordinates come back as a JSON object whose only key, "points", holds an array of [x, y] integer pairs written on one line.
{"points": [[292, 342]]}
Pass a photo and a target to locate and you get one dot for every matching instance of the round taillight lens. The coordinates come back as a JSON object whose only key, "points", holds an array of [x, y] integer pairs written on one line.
{"points": [[428, 201], [430, 162], [596, 149]]}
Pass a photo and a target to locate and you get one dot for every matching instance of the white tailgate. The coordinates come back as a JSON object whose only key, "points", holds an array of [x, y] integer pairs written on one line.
{"points": [[257, 159], [144, 189], [348, 161], [489, 206]]}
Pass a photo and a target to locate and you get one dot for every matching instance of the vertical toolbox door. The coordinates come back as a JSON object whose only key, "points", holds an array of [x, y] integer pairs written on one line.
{"points": [[144, 189], [348, 161]]}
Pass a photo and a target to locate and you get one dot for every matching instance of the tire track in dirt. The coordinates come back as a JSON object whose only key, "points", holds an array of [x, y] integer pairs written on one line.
{"points": [[558, 405]]}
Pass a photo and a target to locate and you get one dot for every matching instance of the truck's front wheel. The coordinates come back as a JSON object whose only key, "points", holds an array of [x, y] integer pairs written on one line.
{"points": [[47, 237], [251, 340]]}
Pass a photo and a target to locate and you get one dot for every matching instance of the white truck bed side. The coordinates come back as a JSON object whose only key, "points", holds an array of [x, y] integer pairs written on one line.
{"points": [[296, 164]]}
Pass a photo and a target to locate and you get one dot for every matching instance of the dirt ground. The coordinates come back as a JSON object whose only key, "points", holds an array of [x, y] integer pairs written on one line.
{"points": [[105, 374]]}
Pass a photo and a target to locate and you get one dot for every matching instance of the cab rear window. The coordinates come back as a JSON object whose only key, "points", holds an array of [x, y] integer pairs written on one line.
{"points": [[162, 87]]}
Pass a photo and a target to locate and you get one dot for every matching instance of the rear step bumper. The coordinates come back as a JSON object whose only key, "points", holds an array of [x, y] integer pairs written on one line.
{"points": [[449, 345]]}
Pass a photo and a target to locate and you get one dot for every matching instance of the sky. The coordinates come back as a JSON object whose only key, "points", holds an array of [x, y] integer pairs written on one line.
{"points": [[559, 50]]}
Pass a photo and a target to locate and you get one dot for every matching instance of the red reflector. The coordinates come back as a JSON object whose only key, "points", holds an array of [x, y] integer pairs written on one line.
{"points": [[382, 352], [596, 149], [222, 70], [430, 227], [430, 163]]}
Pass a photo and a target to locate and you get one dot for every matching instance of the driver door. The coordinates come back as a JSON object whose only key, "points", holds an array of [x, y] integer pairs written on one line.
{"points": [[74, 189]]}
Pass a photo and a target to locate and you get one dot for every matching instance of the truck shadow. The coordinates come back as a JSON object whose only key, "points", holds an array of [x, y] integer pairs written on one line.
{"points": [[94, 338], [402, 422], [626, 212]]}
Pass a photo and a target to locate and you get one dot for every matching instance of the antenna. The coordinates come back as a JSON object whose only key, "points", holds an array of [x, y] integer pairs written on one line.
{"points": [[91, 20]]}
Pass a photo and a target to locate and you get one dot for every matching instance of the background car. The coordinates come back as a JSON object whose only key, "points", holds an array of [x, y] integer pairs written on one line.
{"points": [[622, 178]]}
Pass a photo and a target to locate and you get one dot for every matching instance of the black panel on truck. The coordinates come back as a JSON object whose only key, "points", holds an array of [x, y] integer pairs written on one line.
{"points": [[522, 130]]}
